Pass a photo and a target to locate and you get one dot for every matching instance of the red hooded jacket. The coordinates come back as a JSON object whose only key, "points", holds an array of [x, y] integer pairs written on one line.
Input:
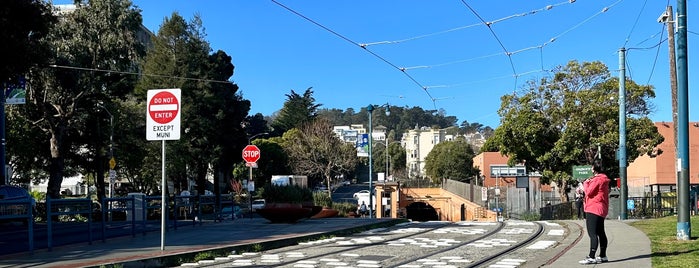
{"points": [[597, 195]]}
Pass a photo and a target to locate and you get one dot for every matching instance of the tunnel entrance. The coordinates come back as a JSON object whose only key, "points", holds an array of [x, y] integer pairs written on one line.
{"points": [[421, 211]]}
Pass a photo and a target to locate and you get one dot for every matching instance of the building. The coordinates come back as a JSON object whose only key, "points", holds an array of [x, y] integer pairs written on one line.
{"points": [[647, 175], [418, 143]]}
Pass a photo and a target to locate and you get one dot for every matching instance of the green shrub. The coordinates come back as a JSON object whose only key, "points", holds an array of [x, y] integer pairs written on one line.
{"points": [[344, 208], [530, 216], [322, 199], [286, 194]]}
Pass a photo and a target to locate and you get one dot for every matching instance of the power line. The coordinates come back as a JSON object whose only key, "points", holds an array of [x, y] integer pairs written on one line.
{"points": [[139, 74]]}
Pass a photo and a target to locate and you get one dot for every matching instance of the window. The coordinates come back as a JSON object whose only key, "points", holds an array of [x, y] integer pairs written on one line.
{"points": [[506, 171]]}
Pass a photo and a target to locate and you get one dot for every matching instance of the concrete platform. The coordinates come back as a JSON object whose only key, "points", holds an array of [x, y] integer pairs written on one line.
{"points": [[628, 247]]}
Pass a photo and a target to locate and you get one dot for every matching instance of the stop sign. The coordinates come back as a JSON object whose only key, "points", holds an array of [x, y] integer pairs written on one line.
{"points": [[251, 154]]}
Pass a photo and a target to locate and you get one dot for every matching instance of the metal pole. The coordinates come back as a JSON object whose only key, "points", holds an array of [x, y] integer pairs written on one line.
{"points": [[683, 224], [386, 152], [370, 109], [249, 193], [622, 133], [3, 169], [163, 203]]}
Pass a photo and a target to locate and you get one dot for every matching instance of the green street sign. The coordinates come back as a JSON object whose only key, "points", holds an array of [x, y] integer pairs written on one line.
{"points": [[582, 172]]}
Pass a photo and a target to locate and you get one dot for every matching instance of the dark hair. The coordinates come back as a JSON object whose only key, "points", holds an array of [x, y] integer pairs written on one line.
{"points": [[597, 167]]}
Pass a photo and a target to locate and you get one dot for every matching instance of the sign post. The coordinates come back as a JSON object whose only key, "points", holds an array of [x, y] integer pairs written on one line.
{"points": [[163, 123], [582, 172], [251, 154]]}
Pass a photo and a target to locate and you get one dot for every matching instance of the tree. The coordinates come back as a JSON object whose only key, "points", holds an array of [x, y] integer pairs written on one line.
{"points": [[212, 108], [297, 110], [101, 35], [256, 124], [561, 121], [315, 150], [273, 161], [23, 26], [450, 160]]}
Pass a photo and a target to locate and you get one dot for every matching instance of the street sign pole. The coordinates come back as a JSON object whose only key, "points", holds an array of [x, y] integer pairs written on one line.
{"points": [[163, 123], [250, 154]]}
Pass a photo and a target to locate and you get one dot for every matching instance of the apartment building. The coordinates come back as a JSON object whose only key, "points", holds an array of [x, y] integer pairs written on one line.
{"points": [[418, 143]]}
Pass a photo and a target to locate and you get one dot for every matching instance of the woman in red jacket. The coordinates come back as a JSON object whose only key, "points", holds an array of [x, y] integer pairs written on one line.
{"points": [[596, 209]]}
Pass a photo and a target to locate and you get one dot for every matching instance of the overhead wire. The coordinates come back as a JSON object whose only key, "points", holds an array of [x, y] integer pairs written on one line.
{"points": [[626, 41], [137, 73], [548, 7], [511, 53], [361, 46]]}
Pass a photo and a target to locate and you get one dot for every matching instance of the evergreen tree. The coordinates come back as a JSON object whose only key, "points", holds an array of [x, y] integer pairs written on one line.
{"points": [[297, 110]]}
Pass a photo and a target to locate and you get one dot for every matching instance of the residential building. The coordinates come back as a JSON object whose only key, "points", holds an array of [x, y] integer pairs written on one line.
{"points": [[418, 143]]}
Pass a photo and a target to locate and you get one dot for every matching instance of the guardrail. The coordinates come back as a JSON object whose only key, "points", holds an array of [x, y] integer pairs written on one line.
{"points": [[67, 208], [20, 210], [117, 216], [121, 205]]}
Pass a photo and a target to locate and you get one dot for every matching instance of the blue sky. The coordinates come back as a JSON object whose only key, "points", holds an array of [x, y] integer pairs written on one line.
{"points": [[461, 63]]}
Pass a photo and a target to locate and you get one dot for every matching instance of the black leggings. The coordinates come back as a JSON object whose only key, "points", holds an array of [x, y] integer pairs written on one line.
{"points": [[595, 229]]}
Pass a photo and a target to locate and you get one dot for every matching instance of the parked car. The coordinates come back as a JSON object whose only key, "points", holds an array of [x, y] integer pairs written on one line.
{"points": [[234, 212], [361, 193], [257, 204], [345, 182]]}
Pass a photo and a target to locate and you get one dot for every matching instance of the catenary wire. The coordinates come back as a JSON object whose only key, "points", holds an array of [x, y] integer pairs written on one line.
{"points": [[361, 46], [638, 17], [540, 47], [548, 7]]}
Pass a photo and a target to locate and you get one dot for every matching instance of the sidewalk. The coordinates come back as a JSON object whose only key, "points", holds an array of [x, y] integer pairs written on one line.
{"points": [[628, 246], [139, 251]]}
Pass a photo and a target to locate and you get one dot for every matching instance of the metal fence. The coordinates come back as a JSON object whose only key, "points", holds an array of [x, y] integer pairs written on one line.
{"points": [[113, 217]]}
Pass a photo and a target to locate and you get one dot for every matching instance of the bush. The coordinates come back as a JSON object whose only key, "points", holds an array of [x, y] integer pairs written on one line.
{"points": [[322, 199], [345, 208], [286, 194]]}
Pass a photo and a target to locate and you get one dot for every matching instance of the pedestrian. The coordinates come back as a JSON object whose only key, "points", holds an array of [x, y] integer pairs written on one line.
{"points": [[579, 198], [363, 211], [596, 209]]}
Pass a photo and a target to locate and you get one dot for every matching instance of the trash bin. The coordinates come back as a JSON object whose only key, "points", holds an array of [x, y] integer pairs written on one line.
{"points": [[137, 212]]}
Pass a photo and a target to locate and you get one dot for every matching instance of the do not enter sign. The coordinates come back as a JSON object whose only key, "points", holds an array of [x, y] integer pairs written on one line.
{"points": [[163, 114], [163, 107], [251, 154]]}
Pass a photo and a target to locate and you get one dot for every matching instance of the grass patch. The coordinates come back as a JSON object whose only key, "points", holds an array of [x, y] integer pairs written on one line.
{"points": [[666, 250]]}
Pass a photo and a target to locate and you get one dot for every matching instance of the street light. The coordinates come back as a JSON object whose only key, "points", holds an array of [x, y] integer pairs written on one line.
{"points": [[370, 109], [111, 150]]}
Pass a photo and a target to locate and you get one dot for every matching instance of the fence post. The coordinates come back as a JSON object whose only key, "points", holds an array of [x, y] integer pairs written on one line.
{"points": [[30, 223], [49, 219]]}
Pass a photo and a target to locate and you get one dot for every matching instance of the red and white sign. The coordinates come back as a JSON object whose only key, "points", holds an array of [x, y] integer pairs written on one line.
{"points": [[251, 154], [163, 114]]}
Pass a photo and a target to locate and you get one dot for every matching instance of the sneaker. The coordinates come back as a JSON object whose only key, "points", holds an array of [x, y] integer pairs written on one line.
{"points": [[588, 260], [602, 259]]}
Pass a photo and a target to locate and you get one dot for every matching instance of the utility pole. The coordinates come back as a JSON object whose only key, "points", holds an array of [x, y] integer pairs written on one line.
{"points": [[621, 153], [683, 223], [669, 20]]}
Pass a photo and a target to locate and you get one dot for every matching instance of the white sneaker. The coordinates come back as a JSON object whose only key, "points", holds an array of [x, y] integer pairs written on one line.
{"points": [[588, 260], [601, 259]]}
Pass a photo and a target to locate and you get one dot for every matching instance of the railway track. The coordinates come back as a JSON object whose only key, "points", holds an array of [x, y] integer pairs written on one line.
{"points": [[412, 245]]}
